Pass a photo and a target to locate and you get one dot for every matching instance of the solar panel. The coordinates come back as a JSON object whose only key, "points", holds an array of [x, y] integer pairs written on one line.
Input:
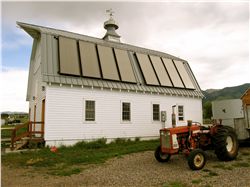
{"points": [[160, 71], [184, 74], [107, 61], [147, 69], [68, 55], [124, 65], [89, 60], [173, 73]]}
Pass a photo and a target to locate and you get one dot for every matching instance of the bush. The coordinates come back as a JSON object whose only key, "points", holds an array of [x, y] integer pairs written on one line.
{"points": [[137, 139], [120, 141], [100, 143]]}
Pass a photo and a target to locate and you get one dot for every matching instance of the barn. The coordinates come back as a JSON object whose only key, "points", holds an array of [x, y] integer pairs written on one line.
{"points": [[86, 88]]}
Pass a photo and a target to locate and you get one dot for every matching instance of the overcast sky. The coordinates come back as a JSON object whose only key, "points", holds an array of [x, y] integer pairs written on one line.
{"points": [[212, 37]]}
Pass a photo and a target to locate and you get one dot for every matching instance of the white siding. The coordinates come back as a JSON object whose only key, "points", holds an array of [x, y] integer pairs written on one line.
{"points": [[64, 116]]}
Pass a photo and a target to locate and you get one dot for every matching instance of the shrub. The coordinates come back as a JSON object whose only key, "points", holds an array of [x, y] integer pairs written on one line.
{"points": [[100, 143]]}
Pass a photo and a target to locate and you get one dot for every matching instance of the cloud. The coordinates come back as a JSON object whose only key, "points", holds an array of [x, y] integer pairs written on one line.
{"points": [[13, 90], [213, 37]]}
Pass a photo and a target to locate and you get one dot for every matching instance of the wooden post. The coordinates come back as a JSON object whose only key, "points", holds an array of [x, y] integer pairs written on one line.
{"points": [[13, 136]]}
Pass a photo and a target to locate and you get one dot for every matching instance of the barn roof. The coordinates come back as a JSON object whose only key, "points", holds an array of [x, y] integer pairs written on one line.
{"points": [[80, 60]]}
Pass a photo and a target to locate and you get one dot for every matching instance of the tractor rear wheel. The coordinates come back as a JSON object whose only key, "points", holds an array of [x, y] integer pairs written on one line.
{"points": [[226, 143], [160, 156], [197, 159]]}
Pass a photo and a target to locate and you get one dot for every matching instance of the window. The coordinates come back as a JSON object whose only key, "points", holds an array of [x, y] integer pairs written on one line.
{"points": [[89, 110], [181, 113], [156, 112], [125, 111]]}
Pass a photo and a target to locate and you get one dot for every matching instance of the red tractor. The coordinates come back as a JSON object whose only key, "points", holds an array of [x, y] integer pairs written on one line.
{"points": [[194, 139]]}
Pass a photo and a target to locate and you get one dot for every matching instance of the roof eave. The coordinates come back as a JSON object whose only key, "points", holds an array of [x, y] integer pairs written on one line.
{"points": [[34, 32]]}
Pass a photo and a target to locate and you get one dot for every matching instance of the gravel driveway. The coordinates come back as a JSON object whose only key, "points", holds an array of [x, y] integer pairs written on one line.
{"points": [[140, 169]]}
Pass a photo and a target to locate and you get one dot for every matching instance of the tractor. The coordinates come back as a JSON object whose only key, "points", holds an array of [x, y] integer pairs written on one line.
{"points": [[194, 139]]}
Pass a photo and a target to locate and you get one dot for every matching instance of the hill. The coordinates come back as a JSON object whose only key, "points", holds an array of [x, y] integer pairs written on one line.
{"points": [[220, 94], [226, 93]]}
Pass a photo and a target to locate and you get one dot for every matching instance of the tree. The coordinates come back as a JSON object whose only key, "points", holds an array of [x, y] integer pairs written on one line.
{"points": [[207, 110]]}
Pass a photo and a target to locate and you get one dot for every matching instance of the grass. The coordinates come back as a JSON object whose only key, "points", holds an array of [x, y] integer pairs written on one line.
{"points": [[210, 173], [245, 153], [175, 184], [223, 166], [7, 133], [196, 181], [67, 159], [241, 164]]}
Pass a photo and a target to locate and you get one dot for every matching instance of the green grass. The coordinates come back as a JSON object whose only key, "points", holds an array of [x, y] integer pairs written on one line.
{"points": [[64, 161], [245, 153], [223, 166], [241, 164], [210, 173], [175, 184], [206, 170], [7, 133], [196, 181]]}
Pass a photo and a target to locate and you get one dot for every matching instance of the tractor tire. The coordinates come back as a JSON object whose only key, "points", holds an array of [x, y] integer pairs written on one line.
{"points": [[197, 159], [160, 156], [226, 143]]}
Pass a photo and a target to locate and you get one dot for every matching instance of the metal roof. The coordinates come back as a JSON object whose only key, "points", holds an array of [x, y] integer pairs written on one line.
{"points": [[51, 64]]}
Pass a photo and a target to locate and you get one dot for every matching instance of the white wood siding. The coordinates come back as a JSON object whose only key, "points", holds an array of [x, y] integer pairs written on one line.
{"points": [[64, 116]]}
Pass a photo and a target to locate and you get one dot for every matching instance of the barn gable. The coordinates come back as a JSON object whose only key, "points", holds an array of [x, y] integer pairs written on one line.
{"points": [[77, 60]]}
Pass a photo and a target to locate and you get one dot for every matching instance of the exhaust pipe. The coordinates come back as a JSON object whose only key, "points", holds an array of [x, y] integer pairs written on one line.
{"points": [[173, 117]]}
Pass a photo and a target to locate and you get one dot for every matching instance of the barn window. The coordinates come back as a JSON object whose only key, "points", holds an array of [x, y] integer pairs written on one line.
{"points": [[126, 111], [89, 110], [156, 112], [181, 113]]}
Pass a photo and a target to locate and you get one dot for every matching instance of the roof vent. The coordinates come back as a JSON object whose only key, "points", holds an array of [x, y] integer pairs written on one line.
{"points": [[111, 26]]}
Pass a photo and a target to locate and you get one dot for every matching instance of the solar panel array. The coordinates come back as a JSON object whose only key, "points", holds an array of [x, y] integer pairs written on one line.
{"points": [[89, 60], [108, 64], [69, 61], [160, 71], [124, 65], [147, 69], [81, 58], [173, 73]]}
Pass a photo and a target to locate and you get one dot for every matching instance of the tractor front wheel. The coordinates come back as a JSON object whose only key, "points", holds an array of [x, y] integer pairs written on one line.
{"points": [[197, 159], [160, 156]]}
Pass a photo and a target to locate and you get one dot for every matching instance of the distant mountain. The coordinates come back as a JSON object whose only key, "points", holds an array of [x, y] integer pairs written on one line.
{"points": [[209, 91], [220, 94], [226, 93], [17, 113]]}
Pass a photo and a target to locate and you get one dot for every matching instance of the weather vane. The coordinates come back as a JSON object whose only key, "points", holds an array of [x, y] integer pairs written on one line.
{"points": [[111, 12]]}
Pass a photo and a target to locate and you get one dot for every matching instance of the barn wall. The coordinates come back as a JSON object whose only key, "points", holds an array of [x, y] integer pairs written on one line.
{"points": [[36, 92], [65, 123]]}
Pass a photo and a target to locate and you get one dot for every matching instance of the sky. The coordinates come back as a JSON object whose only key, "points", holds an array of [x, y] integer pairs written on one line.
{"points": [[213, 37]]}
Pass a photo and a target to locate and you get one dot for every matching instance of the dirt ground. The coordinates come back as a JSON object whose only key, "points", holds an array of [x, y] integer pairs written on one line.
{"points": [[139, 169]]}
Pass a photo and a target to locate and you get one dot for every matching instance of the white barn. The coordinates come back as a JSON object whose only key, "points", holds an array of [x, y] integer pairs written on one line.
{"points": [[85, 88]]}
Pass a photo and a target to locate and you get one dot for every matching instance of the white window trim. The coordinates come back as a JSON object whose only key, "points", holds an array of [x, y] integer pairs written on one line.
{"points": [[151, 111], [84, 112], [183, 112], [131, 106]]}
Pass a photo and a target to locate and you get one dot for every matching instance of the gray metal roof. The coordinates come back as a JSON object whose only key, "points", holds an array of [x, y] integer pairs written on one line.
{"points": [[50, 64]]}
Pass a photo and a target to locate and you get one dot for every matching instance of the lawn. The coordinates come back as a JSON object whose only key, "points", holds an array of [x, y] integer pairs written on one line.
{"points": [[67, 160]]}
